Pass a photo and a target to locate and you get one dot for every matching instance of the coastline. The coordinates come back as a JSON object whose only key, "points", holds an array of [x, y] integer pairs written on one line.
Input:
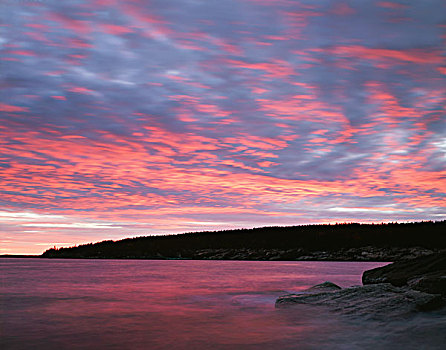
{"points": [[19, 256], [394, 290], [343, 242], [362, 254]]}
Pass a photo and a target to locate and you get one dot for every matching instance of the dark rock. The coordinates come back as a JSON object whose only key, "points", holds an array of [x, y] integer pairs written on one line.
{"points": [[370, 301], [366, 253], [430, 283], [426, 273], [323, 287]]}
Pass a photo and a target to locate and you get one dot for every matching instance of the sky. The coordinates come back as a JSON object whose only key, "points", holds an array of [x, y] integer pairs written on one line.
{"points": [[132, 118]]}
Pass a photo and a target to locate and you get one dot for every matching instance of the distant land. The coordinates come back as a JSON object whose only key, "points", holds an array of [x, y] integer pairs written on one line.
{"points": [[335, 242], [18, 256]]}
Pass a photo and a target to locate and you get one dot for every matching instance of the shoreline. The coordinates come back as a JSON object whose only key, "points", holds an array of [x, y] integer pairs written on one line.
{"points": [[8, 256], [359, 254], [362, 254], [392, 290], [186, 259]]}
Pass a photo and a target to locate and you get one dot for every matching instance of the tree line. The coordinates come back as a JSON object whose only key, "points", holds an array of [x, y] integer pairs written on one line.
{"points": [[426, 234]]}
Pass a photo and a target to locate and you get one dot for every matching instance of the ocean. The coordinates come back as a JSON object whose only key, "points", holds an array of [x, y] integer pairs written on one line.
{"points": [[187, 304]]}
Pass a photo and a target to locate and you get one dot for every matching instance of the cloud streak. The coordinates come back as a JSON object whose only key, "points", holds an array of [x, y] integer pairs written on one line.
{"points": [[125, 118]]}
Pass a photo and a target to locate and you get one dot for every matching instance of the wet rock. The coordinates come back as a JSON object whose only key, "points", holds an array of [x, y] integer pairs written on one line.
{"points": [[430, 283], [323, 287], [426, 273], [370, 301]]}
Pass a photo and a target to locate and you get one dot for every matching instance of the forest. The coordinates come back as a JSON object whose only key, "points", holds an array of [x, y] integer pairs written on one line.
{"points": [[345, 241]]}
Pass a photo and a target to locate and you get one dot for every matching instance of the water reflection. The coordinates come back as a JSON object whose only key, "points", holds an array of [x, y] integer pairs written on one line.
{"points": [[74, 304]]}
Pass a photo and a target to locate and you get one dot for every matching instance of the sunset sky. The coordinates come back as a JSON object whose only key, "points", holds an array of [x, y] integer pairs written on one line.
{"points": [[130, 118]]}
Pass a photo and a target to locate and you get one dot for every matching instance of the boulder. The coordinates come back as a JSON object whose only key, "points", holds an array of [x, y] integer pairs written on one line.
{"points": [[434, 283], [323, 287], [378, 301], [426, 274]]}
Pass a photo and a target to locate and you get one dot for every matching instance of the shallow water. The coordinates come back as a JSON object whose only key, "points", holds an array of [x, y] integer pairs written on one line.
{"points": [[184, 304]]}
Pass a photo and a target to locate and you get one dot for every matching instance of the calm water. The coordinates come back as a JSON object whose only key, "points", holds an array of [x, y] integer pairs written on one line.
{"points": [[174, 304]]}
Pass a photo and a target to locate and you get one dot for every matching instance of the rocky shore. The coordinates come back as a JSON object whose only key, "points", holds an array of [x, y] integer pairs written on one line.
{"points": [[367, 253], [425, 274], [394, 290]]}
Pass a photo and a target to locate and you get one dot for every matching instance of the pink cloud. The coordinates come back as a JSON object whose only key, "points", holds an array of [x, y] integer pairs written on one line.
{"points": [[417, 56], [80, 90], [275, 69], [62, 98], [11, 108], [80, 27], [391, 5], [343, 9], [115, 29], [21, 53]]}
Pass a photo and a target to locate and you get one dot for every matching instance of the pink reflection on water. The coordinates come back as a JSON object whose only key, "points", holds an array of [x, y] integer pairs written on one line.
{"points": [[165, 304]]}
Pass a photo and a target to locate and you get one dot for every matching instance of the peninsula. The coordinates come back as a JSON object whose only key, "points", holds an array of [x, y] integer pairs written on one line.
{"points": [[335, 242]]}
